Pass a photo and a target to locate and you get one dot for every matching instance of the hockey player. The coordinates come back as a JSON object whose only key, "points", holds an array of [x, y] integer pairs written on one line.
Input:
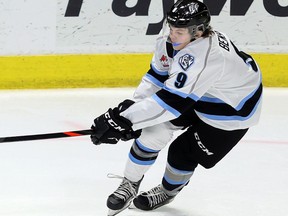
{"points": [[198, 81]]}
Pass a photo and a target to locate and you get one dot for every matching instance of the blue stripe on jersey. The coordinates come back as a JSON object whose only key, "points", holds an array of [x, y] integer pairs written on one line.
{"points": [[141, 146], [173, 91], [154, 80], [230, 118], [140, 162], [162, 73], [240, 105], [194, 97], [166, 106], [211, 100]]}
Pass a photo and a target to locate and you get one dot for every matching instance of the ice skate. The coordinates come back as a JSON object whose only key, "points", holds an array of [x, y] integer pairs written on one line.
{"points": [[152, 199], [123, 196]]}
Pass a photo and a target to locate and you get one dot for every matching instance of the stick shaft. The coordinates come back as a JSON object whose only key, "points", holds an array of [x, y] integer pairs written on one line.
{"points": [[45, 136]]}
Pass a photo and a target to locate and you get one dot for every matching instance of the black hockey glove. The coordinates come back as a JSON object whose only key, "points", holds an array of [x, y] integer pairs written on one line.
{"points": [[125, 105], [111, 127], [129, 134]]}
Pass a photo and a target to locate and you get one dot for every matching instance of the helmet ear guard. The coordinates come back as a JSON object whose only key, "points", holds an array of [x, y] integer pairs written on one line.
{"points": [[194, 29]]}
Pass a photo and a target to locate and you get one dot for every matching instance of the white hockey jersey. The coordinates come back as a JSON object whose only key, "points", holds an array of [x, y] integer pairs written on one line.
{"points": [[210, 75]]}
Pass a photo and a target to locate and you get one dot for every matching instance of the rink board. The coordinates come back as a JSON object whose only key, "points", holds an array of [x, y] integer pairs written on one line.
{"points": [[105, 70]]}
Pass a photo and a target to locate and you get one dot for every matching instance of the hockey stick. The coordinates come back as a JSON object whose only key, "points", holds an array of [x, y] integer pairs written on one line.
{"points": [[45, 136]]}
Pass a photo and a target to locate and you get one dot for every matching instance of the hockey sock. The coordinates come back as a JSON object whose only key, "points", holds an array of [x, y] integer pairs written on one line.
{"points": [[140, 160], [174, 179]]}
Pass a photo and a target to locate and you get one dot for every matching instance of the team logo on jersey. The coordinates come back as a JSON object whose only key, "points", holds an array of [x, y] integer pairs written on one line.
{"points": [[186, 61], [164, 61], [193, 8]]}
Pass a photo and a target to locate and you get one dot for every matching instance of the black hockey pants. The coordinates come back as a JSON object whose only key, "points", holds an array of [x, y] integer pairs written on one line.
{"points": [[199, 144]]}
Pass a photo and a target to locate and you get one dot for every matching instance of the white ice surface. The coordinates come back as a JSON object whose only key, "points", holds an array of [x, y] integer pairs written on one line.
{"points": [[68, 176]]}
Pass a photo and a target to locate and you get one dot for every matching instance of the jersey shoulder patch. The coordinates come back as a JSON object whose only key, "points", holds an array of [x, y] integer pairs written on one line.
{"points": [[186, 61]]}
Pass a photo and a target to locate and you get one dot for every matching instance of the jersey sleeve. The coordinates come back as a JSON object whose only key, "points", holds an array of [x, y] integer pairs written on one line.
{"points": [[155, 77]]}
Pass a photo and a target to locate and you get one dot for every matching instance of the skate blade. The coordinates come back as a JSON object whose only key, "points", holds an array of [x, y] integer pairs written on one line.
{"points": [[115, 212], [132, 206]]}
